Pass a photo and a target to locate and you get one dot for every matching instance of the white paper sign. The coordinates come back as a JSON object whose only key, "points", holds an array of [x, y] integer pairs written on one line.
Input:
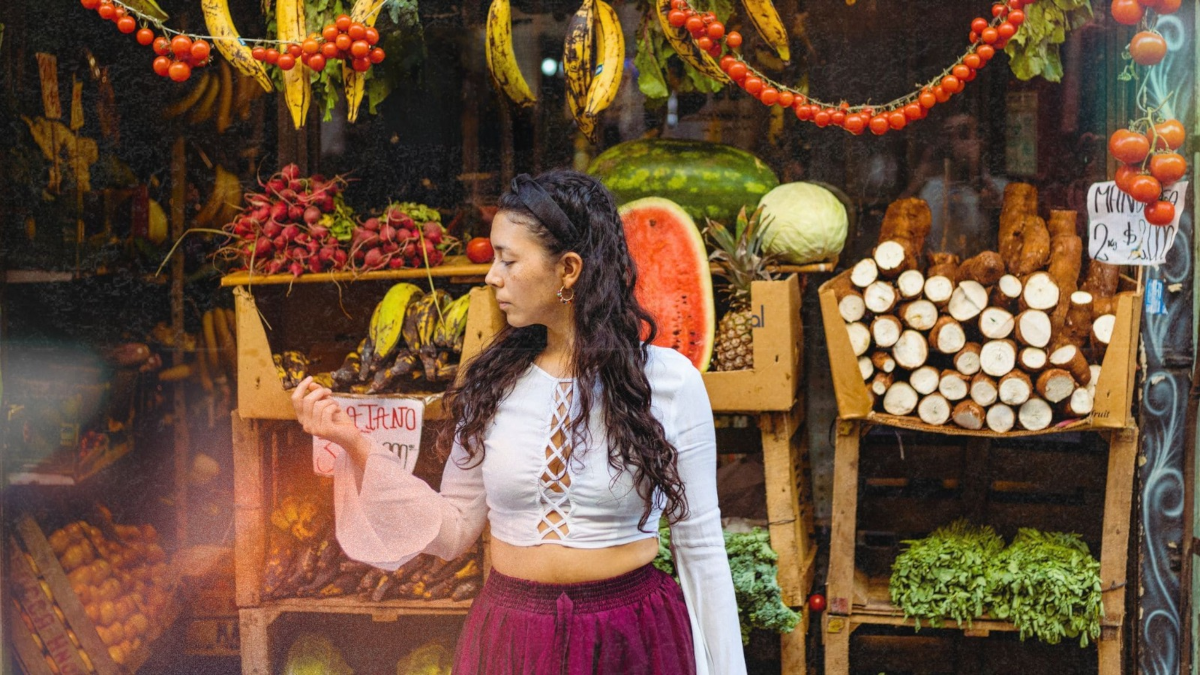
{"points": [[1117, 227], [395, 423]]}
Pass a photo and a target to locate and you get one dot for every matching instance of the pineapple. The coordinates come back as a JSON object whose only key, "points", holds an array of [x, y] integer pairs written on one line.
{"points": [[742, 261]]}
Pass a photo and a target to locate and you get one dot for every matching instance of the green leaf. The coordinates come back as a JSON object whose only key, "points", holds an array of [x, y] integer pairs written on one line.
{"points": [[650, 74]]}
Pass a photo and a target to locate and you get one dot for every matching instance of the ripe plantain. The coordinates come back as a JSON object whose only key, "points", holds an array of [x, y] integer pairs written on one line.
{"points": [[225, 36], [364, 12], [289, 14], [685, 47], [502, 61], [388, 318], [766, 20], [610, 46], [189, 99], [453, 324], [225, 105], [579, 62]]}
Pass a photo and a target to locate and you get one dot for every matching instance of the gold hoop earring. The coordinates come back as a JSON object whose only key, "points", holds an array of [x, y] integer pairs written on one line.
{"points": [[566, 295]]}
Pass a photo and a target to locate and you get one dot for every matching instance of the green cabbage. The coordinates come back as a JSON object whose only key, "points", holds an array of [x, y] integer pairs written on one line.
{"points": [[312, 654], [805, 223], [431, 658]]}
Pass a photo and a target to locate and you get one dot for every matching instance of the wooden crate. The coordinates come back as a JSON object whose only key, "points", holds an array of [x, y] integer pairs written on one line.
{"points": [[54, 634], [855, 599], [778, 354], [326, 333], [1113, 404]]}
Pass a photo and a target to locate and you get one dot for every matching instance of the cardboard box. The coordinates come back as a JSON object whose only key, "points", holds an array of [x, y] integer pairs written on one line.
{"points": [[326, 323], [1114, 391], [778, 340]]}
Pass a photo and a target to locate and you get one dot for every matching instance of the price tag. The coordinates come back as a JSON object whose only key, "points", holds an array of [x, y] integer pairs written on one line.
{"points": [[394, 423], [1117, 227]]}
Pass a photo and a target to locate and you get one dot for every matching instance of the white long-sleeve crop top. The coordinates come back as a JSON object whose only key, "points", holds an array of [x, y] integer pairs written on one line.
{"points": [[385, 516]]}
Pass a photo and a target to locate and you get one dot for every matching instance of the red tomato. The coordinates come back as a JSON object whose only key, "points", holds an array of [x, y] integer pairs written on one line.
{"points": [[1016, 17], [985, 52], [1145, 189], [145, 37], [1169, 135], [330, 33], [1127, 12], [162, 46], [316, 62], [880, 125], [733, 40], [357, 31], [343, 22], [329, 50], [1147, 48], [1168, 6], [181, 44], [272, 56], [479, 250], [769, 96], [1006, 30], [940, 93], [90, 4], [1160, 213], [259, 53], [343, 42], [952, 84], [127, 24], [816, 602], [694, 24], [1168, 167], [989, 35], [897, 120], [822, 118], [372, 36], [360, 49], [179, 71], [286, 62], [786, 99], [361, 65], [106, 10], [716, 30], [1128, 146], [200, 51], [162, 65], [972, 61], [927, 99], [913, 112], [961, 71], [737, 71], [705, 43], [1125, 174], [803, 112], [855, 124], [979, 24], [752, 85]]}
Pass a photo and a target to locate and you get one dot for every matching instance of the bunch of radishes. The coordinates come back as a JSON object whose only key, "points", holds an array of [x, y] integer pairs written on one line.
{"points": [[285, 228], [395, 239]]}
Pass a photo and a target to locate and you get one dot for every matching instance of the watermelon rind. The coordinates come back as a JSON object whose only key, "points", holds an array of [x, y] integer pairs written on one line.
{"points": [[674, 277], [708, 180]]}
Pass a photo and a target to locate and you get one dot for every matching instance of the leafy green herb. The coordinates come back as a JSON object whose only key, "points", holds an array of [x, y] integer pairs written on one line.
{"points": [[754, 567], [1048, 585], [1034, 49], [944, 576]]}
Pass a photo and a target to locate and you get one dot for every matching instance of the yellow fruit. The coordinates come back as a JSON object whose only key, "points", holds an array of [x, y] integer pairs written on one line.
{"points": [[93, 612], [83, 592], [74, 531], [59, 541], [125, 608], [89, 553], [101, 570], [105, 635], [110, 589], [80, 576], [117, 654], [107, 613], [72, 557], [140, 623], [117, 632]]}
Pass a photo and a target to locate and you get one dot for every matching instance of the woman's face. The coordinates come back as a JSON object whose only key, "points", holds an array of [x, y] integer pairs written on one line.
{"points": [[524, 274]]}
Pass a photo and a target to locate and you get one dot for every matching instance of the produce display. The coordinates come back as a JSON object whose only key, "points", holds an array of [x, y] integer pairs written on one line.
{"points": [[673, 284], [754, 567], [121, 577], [414, 337], [1046, 584], [1003, 340], [304, 560], [708, 180], [300, 225]]}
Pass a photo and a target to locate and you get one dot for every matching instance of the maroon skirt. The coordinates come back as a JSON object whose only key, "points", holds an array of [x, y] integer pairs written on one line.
{"points": [[633, 623]]}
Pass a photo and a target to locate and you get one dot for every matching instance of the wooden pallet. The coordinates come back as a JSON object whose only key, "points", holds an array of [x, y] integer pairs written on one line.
{"points": [[856, 600]]}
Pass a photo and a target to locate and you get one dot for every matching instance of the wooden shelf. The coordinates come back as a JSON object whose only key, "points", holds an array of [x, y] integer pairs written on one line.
{"points": [[388, 610], [62, 469], [455, 267]]}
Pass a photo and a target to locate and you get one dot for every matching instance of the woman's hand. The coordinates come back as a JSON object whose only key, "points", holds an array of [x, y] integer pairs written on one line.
{"points": [[321, 416]]}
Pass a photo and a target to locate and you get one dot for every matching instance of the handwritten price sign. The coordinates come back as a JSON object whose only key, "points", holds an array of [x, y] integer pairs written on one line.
{"points": [[1117, 227], [394, 423]]}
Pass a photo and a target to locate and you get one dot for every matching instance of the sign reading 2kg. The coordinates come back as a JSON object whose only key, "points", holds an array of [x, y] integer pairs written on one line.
{"points": [[1117, 229], [393, 423]]}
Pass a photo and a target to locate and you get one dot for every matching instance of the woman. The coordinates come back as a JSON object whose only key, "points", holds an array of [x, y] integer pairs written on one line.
{"points": [[572, 437]]}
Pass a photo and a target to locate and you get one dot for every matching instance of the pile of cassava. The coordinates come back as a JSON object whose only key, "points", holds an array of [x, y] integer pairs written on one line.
{"points": [[1003, 340]]}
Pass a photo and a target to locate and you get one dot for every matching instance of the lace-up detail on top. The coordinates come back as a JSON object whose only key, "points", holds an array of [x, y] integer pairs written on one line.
{"points": [[554, 483]]}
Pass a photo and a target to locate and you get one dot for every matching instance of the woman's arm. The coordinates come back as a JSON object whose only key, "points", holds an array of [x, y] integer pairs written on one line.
{"points": [[697, 541], [384, 515]]}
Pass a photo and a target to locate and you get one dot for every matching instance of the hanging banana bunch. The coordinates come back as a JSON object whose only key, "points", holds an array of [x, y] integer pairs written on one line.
{"points": [[364, 12], [766, 20], [579, 63], [225, 36], [502, 61], [683, 44], [606, 79], [297, 88]]}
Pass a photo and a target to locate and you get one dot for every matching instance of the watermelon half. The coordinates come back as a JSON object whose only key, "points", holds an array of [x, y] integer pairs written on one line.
{"points": [[674, 282]]}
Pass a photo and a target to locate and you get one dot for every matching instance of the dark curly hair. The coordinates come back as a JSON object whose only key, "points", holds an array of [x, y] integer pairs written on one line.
{"points": [[607, 348]]}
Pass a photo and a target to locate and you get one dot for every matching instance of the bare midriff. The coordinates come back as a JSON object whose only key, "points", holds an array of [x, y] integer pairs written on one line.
{"points": [[558, 564]]}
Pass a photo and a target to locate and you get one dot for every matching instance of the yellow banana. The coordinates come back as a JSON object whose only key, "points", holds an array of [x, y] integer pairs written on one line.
{"points": [[148, 7], [364, 12], [203, 111], [502, 62], [189, 99], [225, 36], [388, 317], [579, 62], [289, 14], [453, 324], [610, 45], [766, 20], [225, 107], [681, 41]]}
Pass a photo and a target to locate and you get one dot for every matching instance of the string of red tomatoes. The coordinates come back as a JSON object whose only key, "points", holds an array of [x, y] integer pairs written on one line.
{"points": [[1146, 148], [178, 52], [986, 37]]}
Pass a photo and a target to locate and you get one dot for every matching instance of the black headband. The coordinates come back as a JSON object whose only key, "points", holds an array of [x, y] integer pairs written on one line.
{"points": [[544, 208]]}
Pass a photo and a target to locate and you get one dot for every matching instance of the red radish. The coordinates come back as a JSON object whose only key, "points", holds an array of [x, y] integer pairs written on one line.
{"points": [[276, 185], [296, 185], [371, 224], [311, 215], [410, 251], [290, 232], [295, 213], [296, 268], [339, 256], [290, 172], [314, 265], [396, 263], [263, 247], [373, 259], [279, 211], [404, 234], [387, 233], [318, 231], [326, 204], [281, 242], [433, 232], [390, 247], [271, 229], [435, 258], [274, 266]]}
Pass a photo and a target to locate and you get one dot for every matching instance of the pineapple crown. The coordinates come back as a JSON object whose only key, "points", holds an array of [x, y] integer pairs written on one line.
{"points": [[740, 252]]}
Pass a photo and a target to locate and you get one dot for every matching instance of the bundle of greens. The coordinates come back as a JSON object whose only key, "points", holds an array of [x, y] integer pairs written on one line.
{"points": [[1034, 50], [1048, 585], [945, 575], [753, 564]]}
